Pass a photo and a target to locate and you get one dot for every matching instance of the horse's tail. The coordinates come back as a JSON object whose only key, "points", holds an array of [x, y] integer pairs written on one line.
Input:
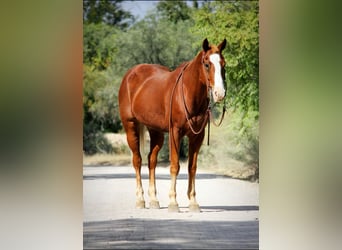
{"points": [[142, 130]]}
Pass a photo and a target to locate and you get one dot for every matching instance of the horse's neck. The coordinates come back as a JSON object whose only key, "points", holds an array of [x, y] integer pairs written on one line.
{"points": [[194, 86], [194, 71]]}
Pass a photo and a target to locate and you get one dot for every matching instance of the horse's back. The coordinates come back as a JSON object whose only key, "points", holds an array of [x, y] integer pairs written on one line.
{"points": [[139, 74]]}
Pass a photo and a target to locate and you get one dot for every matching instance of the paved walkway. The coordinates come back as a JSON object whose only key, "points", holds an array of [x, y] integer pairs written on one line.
{"points": [[229, 217]]}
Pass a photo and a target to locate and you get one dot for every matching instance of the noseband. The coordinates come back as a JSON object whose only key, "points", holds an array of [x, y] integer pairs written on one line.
{"points": [[211, 102]]}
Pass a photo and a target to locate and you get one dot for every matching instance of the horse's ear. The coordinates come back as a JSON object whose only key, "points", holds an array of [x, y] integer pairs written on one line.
{"points": [[205, 45], [222, 45]]}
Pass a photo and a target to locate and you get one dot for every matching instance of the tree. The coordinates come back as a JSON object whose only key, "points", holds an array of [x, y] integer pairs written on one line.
{"points": [[154, 40], [100, 110], [237, 21], [103, 22], [174, 11], [99, 45], [106, 11]]}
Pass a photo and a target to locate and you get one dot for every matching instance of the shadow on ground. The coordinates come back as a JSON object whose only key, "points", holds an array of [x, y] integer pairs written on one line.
{"points": [[170, 234]]}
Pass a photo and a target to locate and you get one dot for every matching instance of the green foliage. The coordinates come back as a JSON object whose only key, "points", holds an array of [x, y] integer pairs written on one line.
{"points": [[154, 40], [94, 141], [237, 21], [100, 110], [244, 133], [100, 99], [99, 45], [106, 11], [174, 11]]}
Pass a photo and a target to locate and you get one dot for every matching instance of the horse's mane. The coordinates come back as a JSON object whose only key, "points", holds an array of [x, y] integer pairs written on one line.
{"points": [[188, 62]]}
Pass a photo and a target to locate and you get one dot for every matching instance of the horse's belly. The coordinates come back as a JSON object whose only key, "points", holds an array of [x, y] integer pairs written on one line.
{"points": [[150, 114]]}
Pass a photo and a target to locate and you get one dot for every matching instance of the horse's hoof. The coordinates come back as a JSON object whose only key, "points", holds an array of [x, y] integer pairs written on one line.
{"points": [[194, 208], [154, 205], [173, 208], [140, 204]]}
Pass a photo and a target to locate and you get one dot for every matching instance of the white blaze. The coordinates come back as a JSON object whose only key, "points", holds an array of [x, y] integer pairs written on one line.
{"points": [[218, 91]]}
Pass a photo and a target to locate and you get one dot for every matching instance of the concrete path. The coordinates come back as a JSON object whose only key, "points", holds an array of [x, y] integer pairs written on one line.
{"points": [[229, 217]]}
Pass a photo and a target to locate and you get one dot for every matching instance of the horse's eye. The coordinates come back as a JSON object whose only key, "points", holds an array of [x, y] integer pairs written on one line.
{"points": [[206, 65]]}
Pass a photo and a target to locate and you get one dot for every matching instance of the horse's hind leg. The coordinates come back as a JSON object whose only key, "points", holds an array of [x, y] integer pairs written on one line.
{"points": [[157, 140], [132, 133]]}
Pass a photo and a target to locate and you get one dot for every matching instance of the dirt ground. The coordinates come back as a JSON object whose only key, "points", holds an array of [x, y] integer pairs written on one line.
{"points": [[229, 217]]}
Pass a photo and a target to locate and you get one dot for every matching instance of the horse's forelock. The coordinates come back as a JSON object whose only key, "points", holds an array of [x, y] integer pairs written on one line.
{"points": [[214, 49]]}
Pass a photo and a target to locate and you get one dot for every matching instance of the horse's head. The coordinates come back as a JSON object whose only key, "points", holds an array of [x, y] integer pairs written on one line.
{"points": [[213, 67]]}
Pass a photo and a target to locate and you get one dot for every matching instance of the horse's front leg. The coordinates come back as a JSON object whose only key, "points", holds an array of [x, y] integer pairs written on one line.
{"points": [[157, 140], [174, 142], [195, 143]]}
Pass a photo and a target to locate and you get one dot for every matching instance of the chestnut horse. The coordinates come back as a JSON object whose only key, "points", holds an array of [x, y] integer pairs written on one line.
{"points": [[171, 101]]}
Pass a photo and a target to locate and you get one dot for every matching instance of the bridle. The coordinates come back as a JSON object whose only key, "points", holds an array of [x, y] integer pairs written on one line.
{"points": [[208, 114], [211, 103]]}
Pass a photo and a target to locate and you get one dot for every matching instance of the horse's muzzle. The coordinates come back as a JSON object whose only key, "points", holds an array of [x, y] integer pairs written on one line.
{"points": [[218, 94]]}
